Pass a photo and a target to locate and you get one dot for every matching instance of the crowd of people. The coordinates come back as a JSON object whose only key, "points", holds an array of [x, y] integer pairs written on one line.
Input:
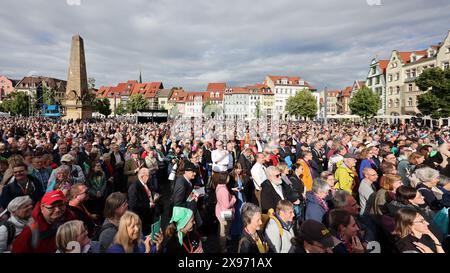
{"points": [[114, 186]]}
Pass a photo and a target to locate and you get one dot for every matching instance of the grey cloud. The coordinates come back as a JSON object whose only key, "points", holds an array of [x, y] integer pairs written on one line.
{"points": [[191, 43]]}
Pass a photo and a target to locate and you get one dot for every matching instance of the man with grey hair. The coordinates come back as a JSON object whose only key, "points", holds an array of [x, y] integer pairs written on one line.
{"points": [[316, 206], [273, 189], [366, 187], [142, 199]]}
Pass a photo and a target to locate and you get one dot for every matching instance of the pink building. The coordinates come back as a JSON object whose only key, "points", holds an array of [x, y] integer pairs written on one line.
{"points": [[6, 86]]}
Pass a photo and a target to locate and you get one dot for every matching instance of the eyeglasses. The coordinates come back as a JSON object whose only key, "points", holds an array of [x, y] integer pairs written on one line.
{"points": [[278, 175]]}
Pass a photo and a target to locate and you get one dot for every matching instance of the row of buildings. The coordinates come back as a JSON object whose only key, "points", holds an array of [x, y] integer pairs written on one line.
{"points": [[393, 80], [268, 98]]}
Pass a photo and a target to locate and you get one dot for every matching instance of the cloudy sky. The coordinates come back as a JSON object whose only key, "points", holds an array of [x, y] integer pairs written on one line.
{"points": [[192, 42]]}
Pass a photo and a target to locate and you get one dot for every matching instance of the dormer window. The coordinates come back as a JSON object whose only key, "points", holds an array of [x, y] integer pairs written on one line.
{"points": [[217, 94], [413, 58]]}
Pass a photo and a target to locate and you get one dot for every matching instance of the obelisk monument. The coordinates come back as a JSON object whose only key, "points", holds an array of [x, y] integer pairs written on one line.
{"points": [[77, 102]]}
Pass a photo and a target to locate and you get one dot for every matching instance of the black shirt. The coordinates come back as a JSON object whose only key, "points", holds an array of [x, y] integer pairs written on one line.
{"points": [[406, 243]]}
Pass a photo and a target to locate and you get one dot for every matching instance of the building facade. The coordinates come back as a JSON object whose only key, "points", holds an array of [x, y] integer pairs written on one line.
{"points": [[376, 80], [6, 86], [284, 87]]}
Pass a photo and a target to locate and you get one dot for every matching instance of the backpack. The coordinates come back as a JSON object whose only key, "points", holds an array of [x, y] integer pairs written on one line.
{"points": [[271, 215], [11, 229], [99, 231]]}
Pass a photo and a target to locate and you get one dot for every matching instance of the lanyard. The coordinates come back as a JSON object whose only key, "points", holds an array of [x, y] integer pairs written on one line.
{"points": [[190, 249], [24, 191]]}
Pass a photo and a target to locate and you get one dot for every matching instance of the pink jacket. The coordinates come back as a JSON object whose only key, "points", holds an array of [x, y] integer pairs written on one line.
{"points": [[225, 200]]}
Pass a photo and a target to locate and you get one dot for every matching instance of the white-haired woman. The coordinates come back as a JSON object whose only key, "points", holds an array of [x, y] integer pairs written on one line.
{"points": [[20, 209], [434, 197]]}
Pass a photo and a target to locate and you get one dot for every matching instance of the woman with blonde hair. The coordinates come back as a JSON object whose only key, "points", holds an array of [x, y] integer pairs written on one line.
{"points": [[129, 237], [72, 237]]}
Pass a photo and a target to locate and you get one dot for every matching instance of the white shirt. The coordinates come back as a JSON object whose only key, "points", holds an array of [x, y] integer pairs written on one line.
{"points": [[220, 160], [258, 172]]}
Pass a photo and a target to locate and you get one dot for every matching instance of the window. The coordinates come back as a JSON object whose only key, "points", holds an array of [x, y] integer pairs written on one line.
{"points": [[410, 102], [410, 87], [390, 90], [397, 76], [397, 102], [446, 65], [390, 77], [408, 74], [377, 80], [413, 73], [398, 90]]}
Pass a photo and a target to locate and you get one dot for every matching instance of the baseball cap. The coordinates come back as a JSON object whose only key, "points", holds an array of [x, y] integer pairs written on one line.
{"points": [[312, 230], [350, 155], [67, 158], [53, 196]]}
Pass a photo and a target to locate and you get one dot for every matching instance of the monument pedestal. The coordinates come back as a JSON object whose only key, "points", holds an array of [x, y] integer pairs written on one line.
{"points": [[73, 112]]}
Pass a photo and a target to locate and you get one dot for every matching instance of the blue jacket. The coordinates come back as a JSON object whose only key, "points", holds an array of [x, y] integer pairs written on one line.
{"points": [[313, 208]]}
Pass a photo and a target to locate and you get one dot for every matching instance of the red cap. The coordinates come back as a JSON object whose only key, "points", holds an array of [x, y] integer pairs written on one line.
{"points": [[53, 196]]}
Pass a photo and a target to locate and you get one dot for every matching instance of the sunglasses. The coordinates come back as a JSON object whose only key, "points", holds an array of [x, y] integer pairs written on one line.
{"points": [[278, 175]]}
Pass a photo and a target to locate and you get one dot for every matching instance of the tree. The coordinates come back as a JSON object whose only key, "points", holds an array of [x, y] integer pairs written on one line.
{"points": [[365, 103], [137, 103], [258, 110], [48, 95], [102, 106], [17, 103], [436, 102], [120, 110], [302, 105], [91, 83]]}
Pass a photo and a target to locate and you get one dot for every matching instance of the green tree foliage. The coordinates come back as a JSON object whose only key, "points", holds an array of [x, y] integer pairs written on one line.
{"points": [[16, 103], [302, 105], [48, 95], [365, 103], [91, 82], [137, 103], [436, 102], [102, 106], [120, 110]]}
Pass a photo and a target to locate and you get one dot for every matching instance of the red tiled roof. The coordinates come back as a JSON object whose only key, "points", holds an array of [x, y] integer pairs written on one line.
{"points": [[347, 91], [216, 87], [383, 65], [333, 93], [220, 86], [148, 90], [103, 92], [405, 56], [294, 80], [421, 52], [191, 96], [178, 96]]}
